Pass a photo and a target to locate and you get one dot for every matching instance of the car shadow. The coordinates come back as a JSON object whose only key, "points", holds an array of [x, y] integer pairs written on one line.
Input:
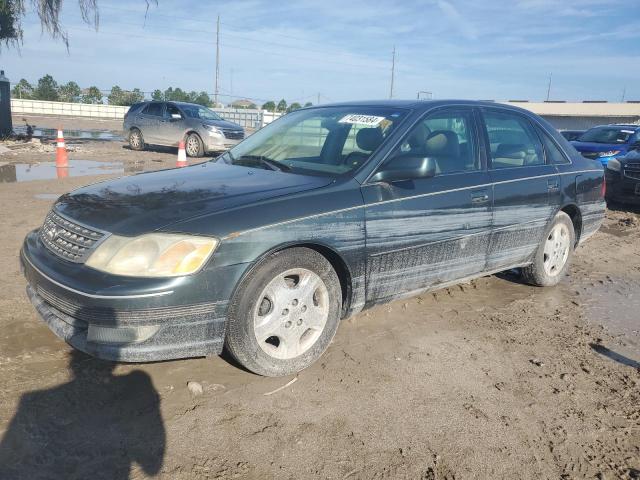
{"points": [[623, 207], [97, 425], [602, 350]]}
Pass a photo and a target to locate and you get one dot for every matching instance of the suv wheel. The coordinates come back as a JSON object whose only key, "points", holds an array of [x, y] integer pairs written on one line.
{"points": [[292, 319], [136, 141], [194, 146]]}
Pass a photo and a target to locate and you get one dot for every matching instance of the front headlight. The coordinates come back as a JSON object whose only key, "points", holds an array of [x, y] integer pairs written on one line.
{"points": [[152, 255], [614, 165], [213, 129], [610, 153]]}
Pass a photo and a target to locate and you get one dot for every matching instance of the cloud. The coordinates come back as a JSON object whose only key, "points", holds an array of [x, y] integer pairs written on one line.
{"points": [[457, 20]]}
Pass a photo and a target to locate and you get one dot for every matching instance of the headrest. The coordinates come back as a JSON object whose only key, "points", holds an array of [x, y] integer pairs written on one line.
{"points": [[511, 150], [443, 142], [368, 139]]}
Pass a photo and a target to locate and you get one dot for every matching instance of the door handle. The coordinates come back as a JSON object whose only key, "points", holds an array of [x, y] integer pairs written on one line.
{"points": [[553, 185], [479, 197]]}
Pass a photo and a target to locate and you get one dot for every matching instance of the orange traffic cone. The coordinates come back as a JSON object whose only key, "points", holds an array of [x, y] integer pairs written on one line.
{"points": [[61, 151], [182, 155]]}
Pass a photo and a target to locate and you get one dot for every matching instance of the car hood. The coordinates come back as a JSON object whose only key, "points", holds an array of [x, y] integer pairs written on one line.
{"points": [[599, 147], [150, 201], [222, 124]]}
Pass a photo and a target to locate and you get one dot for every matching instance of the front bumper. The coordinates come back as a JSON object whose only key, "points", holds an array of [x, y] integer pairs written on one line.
{"points": [[129, 319], [621, 188], [218, 143]]}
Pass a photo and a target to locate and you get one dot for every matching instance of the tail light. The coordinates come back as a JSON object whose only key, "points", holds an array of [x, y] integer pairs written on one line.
{"points": [[603, 190]]}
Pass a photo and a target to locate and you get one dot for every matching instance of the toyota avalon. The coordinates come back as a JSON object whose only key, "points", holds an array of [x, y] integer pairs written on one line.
{"points": [[324, 212]]}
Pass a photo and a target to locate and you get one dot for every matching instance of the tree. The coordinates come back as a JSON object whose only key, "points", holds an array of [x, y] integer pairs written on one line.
{"points": [[124, 97], [282, 106], [294, 106], [92, 95], [47, 89], [69, 92], [22, 89], [201, 98], [115, 97], [157, 95], [12, 13], [270, 106], [308, 104]]}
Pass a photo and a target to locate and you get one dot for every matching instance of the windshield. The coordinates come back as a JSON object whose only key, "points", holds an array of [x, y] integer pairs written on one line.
{"points": [[197, 111], [326, 141], [607, 135]]}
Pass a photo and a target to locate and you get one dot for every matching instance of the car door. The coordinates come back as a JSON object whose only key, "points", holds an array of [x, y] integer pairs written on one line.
{"points": [[422, 232], [171, 129], [152, 117], [526, 187]]}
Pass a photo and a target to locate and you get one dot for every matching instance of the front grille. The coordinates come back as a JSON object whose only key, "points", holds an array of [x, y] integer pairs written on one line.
{"points": [[69, 240], [632, 170], [233, 134]]}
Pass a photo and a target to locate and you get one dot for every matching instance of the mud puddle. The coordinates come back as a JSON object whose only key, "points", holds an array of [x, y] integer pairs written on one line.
{"points": [[614, 303], [70, 134], [25, 172]]}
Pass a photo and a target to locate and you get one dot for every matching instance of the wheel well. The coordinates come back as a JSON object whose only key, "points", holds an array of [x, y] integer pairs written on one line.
{"points": [[576, 218], [338, 264]]}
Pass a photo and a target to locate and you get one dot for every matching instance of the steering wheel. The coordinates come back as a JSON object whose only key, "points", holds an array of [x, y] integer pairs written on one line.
{"points": [[348, 160]]}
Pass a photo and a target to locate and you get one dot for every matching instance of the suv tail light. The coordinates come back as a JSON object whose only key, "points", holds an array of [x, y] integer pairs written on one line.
{"points": [[603, 190]]}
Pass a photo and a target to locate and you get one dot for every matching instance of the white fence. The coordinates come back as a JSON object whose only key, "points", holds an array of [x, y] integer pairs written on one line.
{"points": [[247, 118]]}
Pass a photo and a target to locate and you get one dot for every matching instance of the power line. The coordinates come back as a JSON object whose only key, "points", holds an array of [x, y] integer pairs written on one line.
{"points": [[254, 50]]}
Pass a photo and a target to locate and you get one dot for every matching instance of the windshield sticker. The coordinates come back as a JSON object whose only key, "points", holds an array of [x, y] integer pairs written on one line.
{"points": [[369, 120]]}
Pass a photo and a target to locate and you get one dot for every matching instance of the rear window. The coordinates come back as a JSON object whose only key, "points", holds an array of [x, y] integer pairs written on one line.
{"points": [[607, 135], [136, 107], [154, 109]]}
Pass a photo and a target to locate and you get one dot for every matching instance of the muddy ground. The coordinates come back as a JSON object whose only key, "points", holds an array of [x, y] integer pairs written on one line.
{"points": [[490, 379]]}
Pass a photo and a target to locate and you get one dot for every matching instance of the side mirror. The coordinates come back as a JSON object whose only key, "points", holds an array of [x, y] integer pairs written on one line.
{"points": [[176, 116], [406, 167]]}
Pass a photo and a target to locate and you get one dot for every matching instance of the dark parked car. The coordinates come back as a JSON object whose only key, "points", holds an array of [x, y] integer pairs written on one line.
{"points": [[608, 141], [623, 178], [571, 134], [167, 123], [318, 215]]}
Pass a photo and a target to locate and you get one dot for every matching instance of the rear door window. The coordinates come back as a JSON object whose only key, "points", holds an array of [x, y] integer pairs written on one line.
{"points": [[153, 109], [171, 110], [552, 151], [512, 139]]}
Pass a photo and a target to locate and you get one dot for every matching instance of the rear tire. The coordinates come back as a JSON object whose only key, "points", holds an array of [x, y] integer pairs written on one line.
{"points": [[285, 313], [194, 146], [136, 140], [554, 254]]}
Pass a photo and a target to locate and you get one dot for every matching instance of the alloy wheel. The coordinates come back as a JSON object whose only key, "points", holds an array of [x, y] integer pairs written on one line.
{"points": [[291, 313], [556, 249]]}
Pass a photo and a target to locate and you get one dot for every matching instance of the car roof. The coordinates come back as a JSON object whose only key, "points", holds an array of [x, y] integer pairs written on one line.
{"points": [[422, 104], [618, 125]]}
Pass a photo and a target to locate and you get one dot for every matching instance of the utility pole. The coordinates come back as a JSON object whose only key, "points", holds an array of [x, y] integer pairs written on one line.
{"points": [[318, 99], [549, 87], [231, 86], [624, 93], [393, 71], [215, 96]]}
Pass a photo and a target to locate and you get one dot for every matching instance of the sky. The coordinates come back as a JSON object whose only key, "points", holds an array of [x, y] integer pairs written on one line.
{"points": [[339, 50]]}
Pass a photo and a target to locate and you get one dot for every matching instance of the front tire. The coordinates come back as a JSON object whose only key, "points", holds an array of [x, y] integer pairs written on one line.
{"points": [[285, 313], [554, 253], [194, 146], [136, 140]]}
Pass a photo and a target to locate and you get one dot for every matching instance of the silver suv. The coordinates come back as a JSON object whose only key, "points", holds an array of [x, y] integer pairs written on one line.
{"points": [[167, 123]]}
